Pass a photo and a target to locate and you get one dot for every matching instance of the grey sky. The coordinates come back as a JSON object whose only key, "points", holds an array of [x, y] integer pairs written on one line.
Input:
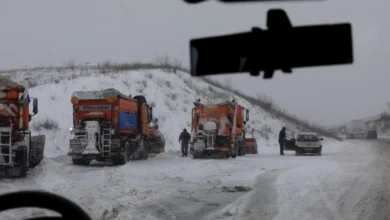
{"points": [[46, 32]]}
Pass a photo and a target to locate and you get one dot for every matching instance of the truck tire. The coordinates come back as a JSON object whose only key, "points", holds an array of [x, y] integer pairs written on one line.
{"points": [[195, 155], [123, 159], [234, 152], [243, 150], [255, 150], [145, 150], [23, 160], [80, 161]]}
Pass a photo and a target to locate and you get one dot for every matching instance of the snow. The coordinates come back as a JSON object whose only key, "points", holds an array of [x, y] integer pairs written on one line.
{"points": [[119, 192]]}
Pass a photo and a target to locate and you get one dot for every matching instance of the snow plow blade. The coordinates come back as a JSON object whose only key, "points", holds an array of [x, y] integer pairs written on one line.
{"points": [[251, 146], [37, 149]]}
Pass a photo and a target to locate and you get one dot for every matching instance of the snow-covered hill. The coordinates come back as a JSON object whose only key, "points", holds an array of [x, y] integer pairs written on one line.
{"points": [[171, 94], [115, 192]]}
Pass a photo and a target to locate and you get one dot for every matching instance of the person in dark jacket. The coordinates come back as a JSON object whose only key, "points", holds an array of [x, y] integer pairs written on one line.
{"points": [[184, 138], [282, 139]]}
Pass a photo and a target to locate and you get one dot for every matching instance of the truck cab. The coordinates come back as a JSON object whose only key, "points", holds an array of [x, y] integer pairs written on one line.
{"points": [[19, 149]]}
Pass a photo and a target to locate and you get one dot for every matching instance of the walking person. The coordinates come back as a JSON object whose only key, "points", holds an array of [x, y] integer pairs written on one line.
{"points": [[282, 139], [184, 138]]}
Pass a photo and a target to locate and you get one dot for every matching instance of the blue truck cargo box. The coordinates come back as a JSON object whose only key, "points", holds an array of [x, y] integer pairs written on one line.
{"points": [[127, 121]]}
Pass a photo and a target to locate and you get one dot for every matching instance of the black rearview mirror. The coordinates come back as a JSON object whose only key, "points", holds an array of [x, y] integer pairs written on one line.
{"points": [[246, 114], [35, 106], [150, 113], [281, 47]]}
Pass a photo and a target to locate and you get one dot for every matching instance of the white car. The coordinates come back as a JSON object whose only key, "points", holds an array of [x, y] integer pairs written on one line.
{"points": [[308, 142]]}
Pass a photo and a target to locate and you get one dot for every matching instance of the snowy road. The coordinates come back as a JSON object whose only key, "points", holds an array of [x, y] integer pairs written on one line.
{"points": [[350, 181]]}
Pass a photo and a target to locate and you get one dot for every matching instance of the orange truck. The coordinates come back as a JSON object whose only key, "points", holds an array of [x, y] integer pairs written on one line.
{"points": [[251, 145], [19, 150], [156, 139], [218, 129], [108, 125]]}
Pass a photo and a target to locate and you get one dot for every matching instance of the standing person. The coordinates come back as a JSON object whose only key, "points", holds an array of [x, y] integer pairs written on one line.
{"points": [[282, 139], [184, 138]]}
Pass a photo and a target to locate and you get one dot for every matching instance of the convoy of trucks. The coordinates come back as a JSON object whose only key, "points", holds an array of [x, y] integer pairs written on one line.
{"points": [[19, 150], [111, 126]]}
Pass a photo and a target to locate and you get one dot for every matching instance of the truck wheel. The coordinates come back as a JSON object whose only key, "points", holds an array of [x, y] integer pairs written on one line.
{"points": [[234, 152], [23, 160], [80, 161], [254, 150], [123, 159], [127, 153], [145, 152]]}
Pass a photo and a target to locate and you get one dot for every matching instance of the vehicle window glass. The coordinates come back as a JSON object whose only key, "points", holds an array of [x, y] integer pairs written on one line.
{"points": [[308, 137]]}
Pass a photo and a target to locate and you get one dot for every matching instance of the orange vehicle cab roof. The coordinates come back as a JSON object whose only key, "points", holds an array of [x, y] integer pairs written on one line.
{"points": [[6, 84], [102, 94], [225, 103]]}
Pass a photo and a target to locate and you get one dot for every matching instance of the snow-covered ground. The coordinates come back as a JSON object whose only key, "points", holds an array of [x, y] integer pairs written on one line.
{"points": [[168, 186]]}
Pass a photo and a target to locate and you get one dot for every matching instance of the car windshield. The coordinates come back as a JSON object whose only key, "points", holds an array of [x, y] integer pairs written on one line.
{"points": [[307, 137], [98, 105]]}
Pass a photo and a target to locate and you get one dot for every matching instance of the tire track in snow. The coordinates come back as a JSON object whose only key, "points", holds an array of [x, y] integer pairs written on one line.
{"points": [[382, 208], [330, 206], [263, 203], [354, 195]]}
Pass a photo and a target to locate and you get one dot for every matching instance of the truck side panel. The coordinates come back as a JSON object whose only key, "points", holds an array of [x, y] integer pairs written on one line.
{"points": [[144, 118], [126, 116], [11, 106], [84, 107], [127, 121]]}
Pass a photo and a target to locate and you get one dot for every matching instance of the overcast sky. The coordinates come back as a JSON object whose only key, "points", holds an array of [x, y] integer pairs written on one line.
{"points": [[47, 32]]}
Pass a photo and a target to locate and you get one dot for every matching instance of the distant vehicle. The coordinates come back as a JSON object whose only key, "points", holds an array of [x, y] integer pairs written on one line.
{"points": [[371, 134], [356, 129], [308, 142], [290, 142], [251, 144]]}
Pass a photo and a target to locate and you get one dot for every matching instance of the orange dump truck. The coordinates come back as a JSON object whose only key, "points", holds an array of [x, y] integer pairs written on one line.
{"points": [[218, 129], [251, 145], [19, 151], [156, 139], [109, 125]]}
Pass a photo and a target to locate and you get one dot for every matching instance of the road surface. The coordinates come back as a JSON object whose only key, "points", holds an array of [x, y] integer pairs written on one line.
{"points": [[352, 183], [349, 181]]}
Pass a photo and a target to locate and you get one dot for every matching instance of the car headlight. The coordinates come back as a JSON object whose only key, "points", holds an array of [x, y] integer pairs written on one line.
{"points": [[71, 130]]}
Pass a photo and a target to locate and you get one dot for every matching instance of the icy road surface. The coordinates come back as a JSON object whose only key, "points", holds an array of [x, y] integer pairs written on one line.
{"points": [[350, 181]]}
